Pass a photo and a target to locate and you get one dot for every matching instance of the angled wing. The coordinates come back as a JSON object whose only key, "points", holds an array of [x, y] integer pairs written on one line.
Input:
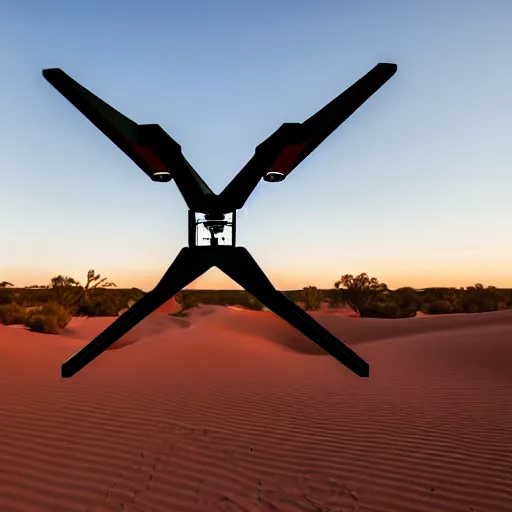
{"points": [[286, 148], [123, 132], [149, 146], [322, 124]]}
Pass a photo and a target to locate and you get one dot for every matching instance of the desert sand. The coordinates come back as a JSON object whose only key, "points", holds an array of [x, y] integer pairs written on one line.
{"points": [[234, 410]]}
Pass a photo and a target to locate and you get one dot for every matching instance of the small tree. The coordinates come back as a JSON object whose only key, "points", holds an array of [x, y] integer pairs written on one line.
{"points": [[312, 298], [65, 291], [478, 299], [95, 281], [360, 291], [407, 299], [73, 296], [6, 296], [93, 304]]}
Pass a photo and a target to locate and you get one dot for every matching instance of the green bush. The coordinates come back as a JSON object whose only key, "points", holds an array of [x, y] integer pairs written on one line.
{"points": [[312, 298], [386, 307], [6, 296], [12, 314], [49, 319], [99, 305], [334, 298], [408, 300], [249, 302], [45, 324], [439, 307], [187, 300], [61, 314]]}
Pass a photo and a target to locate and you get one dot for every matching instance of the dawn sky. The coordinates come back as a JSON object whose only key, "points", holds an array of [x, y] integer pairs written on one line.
{"points": [[415, 188]]}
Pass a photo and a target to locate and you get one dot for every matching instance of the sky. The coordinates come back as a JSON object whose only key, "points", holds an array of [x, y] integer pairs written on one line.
{"points": [[415, 188]]}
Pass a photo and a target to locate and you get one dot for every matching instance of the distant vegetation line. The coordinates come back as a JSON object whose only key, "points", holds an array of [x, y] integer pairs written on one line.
{"points": [[49, 308]]}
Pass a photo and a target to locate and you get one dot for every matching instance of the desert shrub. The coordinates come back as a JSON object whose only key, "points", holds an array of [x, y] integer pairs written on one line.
{"points": [[380, 309], [99, 305], [385, 306], [294, 295], [6, 296], [408, 300], [187, 300], [246, 301], [457, 306], [65, 291], [49, 319], [439, 307], [130, 303], [45, 324], [61, 314], [104, 308], [479, 299], [334, 298], [312, 298], [255, 304], [11, 314], [29, 297], [473, 299]]}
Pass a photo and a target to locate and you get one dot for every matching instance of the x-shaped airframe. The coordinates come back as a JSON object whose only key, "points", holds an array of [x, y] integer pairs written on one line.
{"points": [[160, 157]]}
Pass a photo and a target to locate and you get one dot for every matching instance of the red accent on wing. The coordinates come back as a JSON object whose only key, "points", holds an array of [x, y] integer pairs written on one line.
{"points": [[146, 153], [150, 157], [287, 157]]}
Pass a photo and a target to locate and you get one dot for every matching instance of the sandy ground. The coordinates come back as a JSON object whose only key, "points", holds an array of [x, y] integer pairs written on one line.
{"points": [[233, 410]]}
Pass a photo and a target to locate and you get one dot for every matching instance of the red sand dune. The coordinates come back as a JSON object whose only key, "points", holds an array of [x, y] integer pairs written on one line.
{"points": [[171, 306], [233, 410]]}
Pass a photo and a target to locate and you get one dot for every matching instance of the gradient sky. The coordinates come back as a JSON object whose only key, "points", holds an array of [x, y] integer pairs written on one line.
{"points": [[415, 188]]}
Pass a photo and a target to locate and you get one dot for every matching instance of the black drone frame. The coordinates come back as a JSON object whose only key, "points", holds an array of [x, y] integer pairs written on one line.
{"points": [[160, 157]]}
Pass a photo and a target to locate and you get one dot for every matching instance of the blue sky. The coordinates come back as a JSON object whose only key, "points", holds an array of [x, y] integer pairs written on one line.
{"points": [[414, 188]]}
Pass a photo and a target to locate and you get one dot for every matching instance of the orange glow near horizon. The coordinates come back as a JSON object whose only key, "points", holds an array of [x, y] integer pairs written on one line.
{"points": [[395, 276]]}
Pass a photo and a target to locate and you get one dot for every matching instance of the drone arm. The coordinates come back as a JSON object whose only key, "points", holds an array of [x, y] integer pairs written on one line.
{"points": [[121, 130], [322, 124], [187, 267], [284, 150], [287, 137], [244, 270]]}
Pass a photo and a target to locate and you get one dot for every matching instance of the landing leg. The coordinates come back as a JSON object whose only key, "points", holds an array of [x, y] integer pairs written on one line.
{"points": [[188, 266], [243, 269]]}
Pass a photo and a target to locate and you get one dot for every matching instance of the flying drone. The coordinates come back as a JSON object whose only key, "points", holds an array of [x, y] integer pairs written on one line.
{"points": [[212, 217]]}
